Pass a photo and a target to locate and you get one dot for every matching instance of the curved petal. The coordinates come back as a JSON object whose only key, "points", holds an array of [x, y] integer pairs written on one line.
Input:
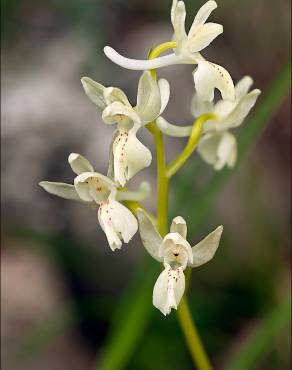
{"points": [[93, 186], [227, 151], [199, 106], [150, 237], [142, 65], [164, 89], [168, 289], [218, 149], [148, 98], [114, 94], [178, 17], [205, 250], [94, 91], [66, 191], [222, 109], [117, 222], [209, 76], [79, 163], [241, 110], [203, 36], [110, 171], [179, 225], [202, 15], [242, 87], [173, 130], [208, 147], [121, 114], [130, 157]]}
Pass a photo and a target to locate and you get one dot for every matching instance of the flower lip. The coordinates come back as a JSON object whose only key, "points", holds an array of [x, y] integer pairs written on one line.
{"points": [[117, 222], [174, 243], [94, 186]]}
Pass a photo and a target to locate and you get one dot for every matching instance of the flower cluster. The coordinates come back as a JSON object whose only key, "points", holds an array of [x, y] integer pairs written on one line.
{"points": [[128, 156]]}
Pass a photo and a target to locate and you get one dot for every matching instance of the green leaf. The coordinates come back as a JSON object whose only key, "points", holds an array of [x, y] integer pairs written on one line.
{"points": [[132, 317]]}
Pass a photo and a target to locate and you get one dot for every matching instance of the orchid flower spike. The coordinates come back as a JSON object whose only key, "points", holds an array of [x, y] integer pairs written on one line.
{"points": [[93, 188], [218, 146], [207, 76], [129, 155], [176, 254]]}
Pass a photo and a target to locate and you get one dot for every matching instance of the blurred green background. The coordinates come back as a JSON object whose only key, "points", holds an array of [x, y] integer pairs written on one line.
{"points": [[68, 302]]}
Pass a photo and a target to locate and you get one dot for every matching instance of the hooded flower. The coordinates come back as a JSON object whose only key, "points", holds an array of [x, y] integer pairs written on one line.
{"points": [[207, 75], [128, 154], [218, 146], [91, 187], [176, 254]]}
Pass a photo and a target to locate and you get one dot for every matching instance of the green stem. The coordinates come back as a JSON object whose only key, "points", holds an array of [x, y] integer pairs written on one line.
{"points": [[155, 52], [192, 143], [164, 174], [192, 337], [184, 316], [162, 185]]}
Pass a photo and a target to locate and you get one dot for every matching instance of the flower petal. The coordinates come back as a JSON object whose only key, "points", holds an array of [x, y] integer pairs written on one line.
{"points": [[164, 93], [179, 225], [218, 149], [93, 186], [202, 15], [209, 76], [110, 171], [121, 114], [203, 36], [117, 222], [208, 146], [130, 157], [241, 110], [199, 106], [150, 237], [173, 130], [114, 94], [148, 98], [172, 241], [94, 91], [227, 151], [242, 87], [168, 289], [178, 17], [204, 251], [66, 191], [79, 164], [142, 65]]}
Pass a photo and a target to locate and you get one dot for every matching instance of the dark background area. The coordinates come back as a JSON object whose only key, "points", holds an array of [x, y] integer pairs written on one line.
{"points": [[61, 284]]}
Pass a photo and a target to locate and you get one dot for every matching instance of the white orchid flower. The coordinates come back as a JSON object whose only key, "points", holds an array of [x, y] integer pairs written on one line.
{"points": [[218, 146], [129, 154], [207, 75], [93, 188], [176, 254]]}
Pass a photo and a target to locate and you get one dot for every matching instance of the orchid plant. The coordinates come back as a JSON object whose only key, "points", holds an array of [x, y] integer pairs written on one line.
{"points": [[119, 211]]}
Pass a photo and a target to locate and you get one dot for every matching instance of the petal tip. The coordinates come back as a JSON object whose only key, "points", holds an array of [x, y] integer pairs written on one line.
{"points": [[72, 157]]}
